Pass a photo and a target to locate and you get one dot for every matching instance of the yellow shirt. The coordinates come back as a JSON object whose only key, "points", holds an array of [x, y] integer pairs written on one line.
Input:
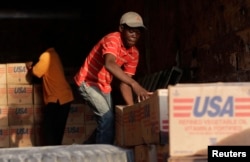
{"points": [[55, 86]]}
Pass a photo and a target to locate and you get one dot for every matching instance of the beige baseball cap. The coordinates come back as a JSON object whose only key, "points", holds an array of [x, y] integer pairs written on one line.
{"points": [[132, 19]]}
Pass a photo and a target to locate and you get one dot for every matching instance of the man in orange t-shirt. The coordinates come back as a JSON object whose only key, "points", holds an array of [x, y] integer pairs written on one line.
{"points": [[115, 55], [57, 92]]}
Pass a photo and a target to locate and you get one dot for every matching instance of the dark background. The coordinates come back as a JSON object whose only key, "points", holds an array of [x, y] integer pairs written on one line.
{"points": [[209, 40]]}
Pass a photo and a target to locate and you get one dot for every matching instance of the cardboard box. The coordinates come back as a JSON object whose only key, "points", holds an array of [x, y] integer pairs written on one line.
{"points": [[154, 122], [4, 113], [74, 134], [89, 129], [145, 153], [119, 125], [21, 115], [151, 153], [128, 125], [132, 125], [17, 73], [3, 74], [21, 136], [19, 94], [3, 94], [188, 159], [89, 116], [145, 122], [76, 114], [4, 137], [202, 115], [90, 133], [162, 152]]}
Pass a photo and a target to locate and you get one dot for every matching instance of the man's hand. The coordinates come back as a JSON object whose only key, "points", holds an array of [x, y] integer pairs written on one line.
{"points": [[29, 65], [142, 94]]}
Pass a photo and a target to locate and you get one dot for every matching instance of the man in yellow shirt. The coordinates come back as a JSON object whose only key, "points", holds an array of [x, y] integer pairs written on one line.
{"points": [[57, 94]]}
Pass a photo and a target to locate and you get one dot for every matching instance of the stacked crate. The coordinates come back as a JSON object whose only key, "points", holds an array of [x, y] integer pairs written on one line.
{"points": [[80, 124], [20, 105], [21, 111], [75, 127], [4, 127]]}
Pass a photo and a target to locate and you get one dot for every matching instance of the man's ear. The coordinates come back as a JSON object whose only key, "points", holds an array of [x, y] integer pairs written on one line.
{"points": [[121, 28]]}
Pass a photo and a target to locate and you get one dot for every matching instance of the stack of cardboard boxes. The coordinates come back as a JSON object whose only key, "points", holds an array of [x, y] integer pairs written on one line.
{"points": [[4, 129], [21, 111], [178, 124], [17, 106], [80, 124]]}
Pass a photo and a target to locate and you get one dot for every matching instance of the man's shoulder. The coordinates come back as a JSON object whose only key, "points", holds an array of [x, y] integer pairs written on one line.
{"points": [[113, 34], [49, 53], [112, 38]]}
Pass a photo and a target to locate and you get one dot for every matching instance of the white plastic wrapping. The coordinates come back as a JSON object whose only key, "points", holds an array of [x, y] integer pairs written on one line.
{"points": [[67, 153]]}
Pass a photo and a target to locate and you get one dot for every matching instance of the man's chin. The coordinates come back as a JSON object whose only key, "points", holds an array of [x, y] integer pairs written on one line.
{"points": [[131, 44]]}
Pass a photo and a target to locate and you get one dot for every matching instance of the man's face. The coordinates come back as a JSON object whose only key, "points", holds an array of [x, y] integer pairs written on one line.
{"points": [[130, 36]]}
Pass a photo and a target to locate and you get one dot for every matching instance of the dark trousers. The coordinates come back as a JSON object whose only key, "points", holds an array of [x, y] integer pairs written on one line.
{"points": [[55, 118]]}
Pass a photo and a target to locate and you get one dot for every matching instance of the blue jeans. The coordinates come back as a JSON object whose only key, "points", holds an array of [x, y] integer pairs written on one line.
{"points": [[101, 105]]}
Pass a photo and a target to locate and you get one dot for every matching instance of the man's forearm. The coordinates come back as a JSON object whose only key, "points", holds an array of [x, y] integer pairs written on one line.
{"points": [[127, 94]]}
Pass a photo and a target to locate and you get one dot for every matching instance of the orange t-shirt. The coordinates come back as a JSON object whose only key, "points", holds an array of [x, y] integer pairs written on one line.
{"points": [[93, 71], [55, 86]]}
